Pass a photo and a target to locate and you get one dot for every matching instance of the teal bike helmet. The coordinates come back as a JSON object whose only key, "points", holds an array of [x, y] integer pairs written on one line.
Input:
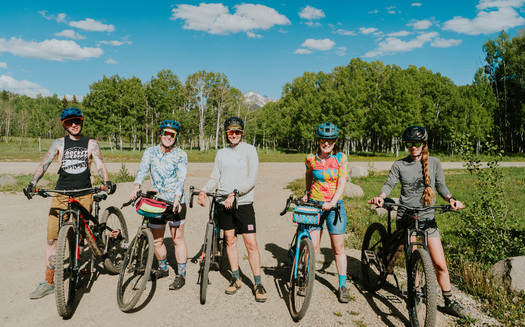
{"points": [[169, 123], [327, 131], [71, 113]]}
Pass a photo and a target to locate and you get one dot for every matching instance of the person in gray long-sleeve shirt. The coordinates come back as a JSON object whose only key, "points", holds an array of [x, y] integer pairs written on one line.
{"points": [[420, 174], [236, 168]]}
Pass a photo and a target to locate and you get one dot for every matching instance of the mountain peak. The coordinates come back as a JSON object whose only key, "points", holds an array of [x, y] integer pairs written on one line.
{"points": [[255, 100]]}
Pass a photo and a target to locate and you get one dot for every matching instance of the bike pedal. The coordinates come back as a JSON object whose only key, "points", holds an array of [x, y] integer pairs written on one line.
{"points": [[371, 256], [114, 233]]}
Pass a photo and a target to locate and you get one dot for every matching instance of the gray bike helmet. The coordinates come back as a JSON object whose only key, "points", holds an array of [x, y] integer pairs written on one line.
{"points": [[327, 131], [233, 123], [415, 133]]}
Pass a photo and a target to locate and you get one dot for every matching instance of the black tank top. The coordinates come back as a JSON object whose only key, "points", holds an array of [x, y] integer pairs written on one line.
{"points": [[74, 169]]}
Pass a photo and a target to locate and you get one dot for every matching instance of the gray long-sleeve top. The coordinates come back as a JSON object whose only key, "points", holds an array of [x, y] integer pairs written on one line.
{"points": [[411, 175], [235, 168]]}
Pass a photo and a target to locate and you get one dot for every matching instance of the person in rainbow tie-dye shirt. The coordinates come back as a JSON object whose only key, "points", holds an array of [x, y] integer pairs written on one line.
{"points": [[326, 173]]}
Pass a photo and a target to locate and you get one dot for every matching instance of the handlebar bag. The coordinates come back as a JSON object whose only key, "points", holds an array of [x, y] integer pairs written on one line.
{"points": [[306, 215], [150, 208]]}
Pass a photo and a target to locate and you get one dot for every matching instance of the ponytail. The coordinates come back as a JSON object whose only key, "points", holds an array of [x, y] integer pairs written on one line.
{"points": [[428, 196]]}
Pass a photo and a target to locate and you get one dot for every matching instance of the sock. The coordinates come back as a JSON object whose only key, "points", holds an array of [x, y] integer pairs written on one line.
{"points": [[181, 269], [236, 274], [342, 280], [257, 280], [163, 264], [50, 275], [447, 296]]}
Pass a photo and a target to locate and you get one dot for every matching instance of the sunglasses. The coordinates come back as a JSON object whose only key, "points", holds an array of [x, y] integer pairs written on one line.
{"points": [[168, 133], [411, 144], [234, 132], [71, 121], [330, 141]]}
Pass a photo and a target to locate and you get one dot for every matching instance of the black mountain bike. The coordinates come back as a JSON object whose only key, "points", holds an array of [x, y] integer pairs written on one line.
{"points": [[106, 238], [214, 241], [381, 250]]}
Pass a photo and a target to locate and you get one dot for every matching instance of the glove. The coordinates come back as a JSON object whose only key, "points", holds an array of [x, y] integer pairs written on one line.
{"points": [[111, 187], [29, 190]]}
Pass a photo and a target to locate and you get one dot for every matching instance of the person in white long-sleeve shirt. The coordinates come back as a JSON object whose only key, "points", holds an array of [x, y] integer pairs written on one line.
{"points": [[236, 168]]}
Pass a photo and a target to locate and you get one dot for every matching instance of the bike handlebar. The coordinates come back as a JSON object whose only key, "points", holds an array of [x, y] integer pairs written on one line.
{"points": [[78, 192], [214, 195], [299, 202], [389, 204], [148, 194]]}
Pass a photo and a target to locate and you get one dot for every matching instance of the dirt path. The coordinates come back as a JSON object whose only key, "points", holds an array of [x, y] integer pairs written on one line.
{"points": [[22, 239]]}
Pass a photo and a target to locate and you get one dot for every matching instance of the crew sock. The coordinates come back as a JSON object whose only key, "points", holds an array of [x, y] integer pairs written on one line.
{"points": [[257, 280], [342, 280], [50, 275], [181, 269], [236, 274], [163, 264], [447, 296]]}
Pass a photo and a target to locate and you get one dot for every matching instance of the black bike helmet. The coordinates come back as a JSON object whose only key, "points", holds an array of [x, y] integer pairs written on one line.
{"points": [[327, 131], [71, 113], [169, 123], [415, 133], [233, 123]]}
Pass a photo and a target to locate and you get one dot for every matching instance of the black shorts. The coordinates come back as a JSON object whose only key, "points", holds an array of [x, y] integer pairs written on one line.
{"points": [[169, 216], [241, 219]]}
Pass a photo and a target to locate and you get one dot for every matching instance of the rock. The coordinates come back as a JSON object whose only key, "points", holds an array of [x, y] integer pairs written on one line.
{"points": [[510, 273], [7, 180], [353, 191], [358, 171]]}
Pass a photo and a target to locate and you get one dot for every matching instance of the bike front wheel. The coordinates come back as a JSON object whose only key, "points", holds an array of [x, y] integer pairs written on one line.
{"points": [[422, 289], [135, 271], [114, 220], [302, 284], [206, 262], [373, 250], [65, 271]]}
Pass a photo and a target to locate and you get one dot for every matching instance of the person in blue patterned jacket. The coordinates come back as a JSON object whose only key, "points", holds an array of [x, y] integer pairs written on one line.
{"points": [[167, 165]]}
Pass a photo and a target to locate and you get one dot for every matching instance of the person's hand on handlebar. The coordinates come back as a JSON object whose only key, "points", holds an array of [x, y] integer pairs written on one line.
{"points": [[378, 201], [455, 204], [176, 206], [327, 206], [202, 198], [228, 203], [134, 191], [29, 189]]}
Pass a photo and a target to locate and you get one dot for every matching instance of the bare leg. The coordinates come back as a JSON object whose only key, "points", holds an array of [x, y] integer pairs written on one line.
{"points": [[254, 256], [231, 249]]}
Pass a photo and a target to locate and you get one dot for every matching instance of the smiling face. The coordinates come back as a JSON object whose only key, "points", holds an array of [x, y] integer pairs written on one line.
{"points": [[168, 137], [415, 148], [234, 136], [326, 145], [73, 126]]}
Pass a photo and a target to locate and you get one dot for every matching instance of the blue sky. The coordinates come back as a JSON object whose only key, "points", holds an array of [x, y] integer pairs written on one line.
{"points": [[61, 47]]}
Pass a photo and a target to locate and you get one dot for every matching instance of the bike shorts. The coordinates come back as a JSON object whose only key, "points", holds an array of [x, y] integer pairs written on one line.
{"points": [[429, 225], [174, 220], [59, 203], [241, 219], [335, 225]]}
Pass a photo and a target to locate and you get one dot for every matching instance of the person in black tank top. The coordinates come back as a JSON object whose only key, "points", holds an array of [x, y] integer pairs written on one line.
{"points": [[75, 153]]}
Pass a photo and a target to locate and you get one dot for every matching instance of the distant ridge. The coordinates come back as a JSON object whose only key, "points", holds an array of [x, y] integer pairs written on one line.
{"points": [[256, 101]]}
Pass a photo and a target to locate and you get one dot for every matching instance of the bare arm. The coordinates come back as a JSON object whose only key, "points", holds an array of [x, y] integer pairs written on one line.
{"points": [[54, 149], [97, 158]]}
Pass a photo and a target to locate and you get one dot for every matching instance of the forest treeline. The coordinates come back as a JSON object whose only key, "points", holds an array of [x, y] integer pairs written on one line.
{"points": [[370, 102]]}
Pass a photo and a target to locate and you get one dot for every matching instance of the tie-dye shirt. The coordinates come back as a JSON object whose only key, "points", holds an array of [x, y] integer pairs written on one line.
{"points": [[168, 172], [325, 175]]}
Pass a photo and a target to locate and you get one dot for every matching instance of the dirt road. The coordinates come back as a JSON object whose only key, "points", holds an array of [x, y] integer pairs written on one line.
{"points": [[22, 239]]}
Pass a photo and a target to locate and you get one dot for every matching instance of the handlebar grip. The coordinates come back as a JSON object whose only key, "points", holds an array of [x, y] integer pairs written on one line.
{"points": [[236, 193], [191, 195]]}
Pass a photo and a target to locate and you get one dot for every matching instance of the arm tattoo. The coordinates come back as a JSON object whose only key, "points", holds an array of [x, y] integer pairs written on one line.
{"points": [[97, 157], [48, 159]]}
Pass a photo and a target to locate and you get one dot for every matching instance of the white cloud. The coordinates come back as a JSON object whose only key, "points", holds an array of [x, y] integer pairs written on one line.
{"points": [[391, 8], [311, 13], [252, 35], [53, 49], [340, 51], [444, 43], [302, 51], [391, 12], [60, 18], [115, 43], [322, 45], [313, 24], [504, 17], [111, 61], [215, 18], [3, 65], [400, 33], [416, 4], [22, 87], [70, 34], [373, 11], [420, 24], [344, 32], [368, 30], [89, 24], [392, 45]]}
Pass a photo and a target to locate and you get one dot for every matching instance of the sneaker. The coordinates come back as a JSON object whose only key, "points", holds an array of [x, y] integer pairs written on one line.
{"points": [[260, 293], [160, 273], [235, 284], [454, 308], [177, 283], [343, 295], [42, 290]]}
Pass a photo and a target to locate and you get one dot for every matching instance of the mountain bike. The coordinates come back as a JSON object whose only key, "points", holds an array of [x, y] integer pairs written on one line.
{"points": [[138, 260], [106, 239], [302, 253], [214, 241], [382, 249]]}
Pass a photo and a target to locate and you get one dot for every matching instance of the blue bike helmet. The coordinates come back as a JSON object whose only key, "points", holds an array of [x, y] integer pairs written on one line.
{"points": [[415, 133], [71, 113], [169, 123], [327, 131]]}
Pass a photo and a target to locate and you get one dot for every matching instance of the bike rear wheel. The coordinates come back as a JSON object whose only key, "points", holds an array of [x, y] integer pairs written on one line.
{"points": [[422, 289], [373, 250], [114, 219], [205, 264], [302, 285], [65, 272], [135, 271]]}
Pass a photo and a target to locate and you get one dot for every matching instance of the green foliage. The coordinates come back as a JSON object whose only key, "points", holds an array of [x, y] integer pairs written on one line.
{"points": [[123, 175]]}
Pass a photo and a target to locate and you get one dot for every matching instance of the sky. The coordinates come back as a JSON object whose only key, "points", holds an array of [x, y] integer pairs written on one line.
{"points": [[62, 47]]}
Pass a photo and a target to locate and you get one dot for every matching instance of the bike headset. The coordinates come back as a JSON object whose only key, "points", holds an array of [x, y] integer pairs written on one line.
{"points": [[327, 131], [170, 124]]}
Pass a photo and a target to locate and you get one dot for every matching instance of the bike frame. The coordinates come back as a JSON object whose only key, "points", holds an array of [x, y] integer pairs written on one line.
{"points": [[301, 233]]}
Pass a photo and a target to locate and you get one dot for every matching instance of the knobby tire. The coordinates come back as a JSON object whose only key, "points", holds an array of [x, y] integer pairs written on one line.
{"points": [[114, 219], [205, 268], [304, 283], [373, 254], [65, 273], [422, 290]]}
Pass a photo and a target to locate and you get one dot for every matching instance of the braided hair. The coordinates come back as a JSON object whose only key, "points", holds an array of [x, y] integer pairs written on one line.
{"points": [[429, 195]]}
